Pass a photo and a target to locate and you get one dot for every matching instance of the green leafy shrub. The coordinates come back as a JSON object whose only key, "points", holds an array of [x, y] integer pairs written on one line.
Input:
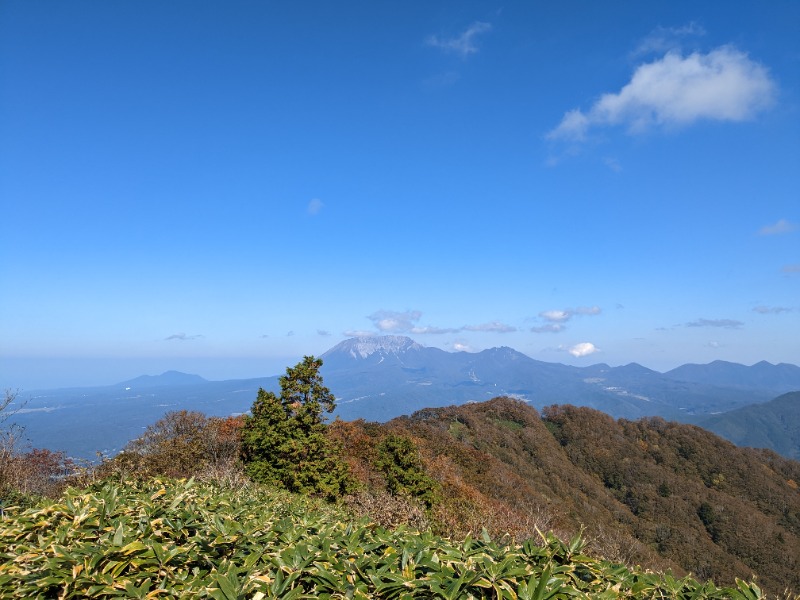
{"points": [[184, 539]]}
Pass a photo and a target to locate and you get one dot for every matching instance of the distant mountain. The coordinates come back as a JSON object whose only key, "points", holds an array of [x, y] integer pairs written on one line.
{"points": [[174, 378], [774, 424], [379, 378], [778, 378]]}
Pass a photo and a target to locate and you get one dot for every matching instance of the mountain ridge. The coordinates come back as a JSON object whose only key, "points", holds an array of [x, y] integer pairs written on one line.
{"points": [[380, 378]]}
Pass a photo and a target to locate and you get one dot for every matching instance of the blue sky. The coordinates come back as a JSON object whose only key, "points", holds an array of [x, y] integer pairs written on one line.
{"points": [[223, 187]]}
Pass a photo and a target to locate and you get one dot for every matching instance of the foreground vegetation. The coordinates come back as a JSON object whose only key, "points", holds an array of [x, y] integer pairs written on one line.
{"points": [[281, 504], [167, 538]]}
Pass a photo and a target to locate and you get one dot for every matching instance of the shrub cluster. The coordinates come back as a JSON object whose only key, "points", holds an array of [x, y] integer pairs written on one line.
{"points": [[184, 539]]}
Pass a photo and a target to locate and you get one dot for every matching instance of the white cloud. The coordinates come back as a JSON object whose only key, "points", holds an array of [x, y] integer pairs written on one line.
{"points": [[583, 349], [723, 85], [461, 347], [323, 333], [779, 227], [314, 206], [726, 323], [389, 321], [555, 316], [464, 44]]}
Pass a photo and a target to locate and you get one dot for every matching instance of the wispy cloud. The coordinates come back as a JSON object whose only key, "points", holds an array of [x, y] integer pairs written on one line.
{"points": [[389, 321], [548, 328], [583, 349], [777, 228], [663, 39], [314, 206], [613, 164], [433, 330], [182, 337], [557, 318], [494, 327], [772, 310], [358, 333], [726, 323], [676, 90], [791, 269], [464, 44], [323, 333]]}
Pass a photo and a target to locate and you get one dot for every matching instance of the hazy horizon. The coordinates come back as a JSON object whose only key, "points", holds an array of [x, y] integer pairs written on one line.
{"points": [[222, 188]]}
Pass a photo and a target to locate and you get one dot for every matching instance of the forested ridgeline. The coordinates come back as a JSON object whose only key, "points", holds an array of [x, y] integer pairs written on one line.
{"points": [[651, 492]]}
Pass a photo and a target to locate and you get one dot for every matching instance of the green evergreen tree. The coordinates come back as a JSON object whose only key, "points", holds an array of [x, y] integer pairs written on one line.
{"points": [[284, 442], [400, 463]]}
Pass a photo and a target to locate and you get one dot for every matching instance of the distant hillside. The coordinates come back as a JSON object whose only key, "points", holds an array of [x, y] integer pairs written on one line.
{"points": [[165, 379], [778, 378], [774, 424], [650, 492]]}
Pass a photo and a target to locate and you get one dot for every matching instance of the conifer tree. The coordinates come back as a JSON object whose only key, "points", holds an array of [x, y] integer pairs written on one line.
{"points": [[284, 442]]}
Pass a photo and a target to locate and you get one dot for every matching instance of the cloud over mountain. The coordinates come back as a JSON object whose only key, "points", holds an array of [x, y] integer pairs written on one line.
{"points": [[583, 349], [389, 321], [556, 319]]}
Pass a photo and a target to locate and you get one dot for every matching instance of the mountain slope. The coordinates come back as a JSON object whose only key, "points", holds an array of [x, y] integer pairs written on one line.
{"points": [[667, 495], [774, 424], [166, 378]]}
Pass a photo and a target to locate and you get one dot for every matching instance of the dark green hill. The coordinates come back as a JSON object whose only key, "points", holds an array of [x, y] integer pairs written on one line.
{"points": [[774, 425], [651, 492]]}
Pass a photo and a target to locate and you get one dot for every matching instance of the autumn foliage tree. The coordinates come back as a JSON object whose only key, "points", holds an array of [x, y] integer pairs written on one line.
{"points": [[284, 440], [26, 472], [181, 444]]}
